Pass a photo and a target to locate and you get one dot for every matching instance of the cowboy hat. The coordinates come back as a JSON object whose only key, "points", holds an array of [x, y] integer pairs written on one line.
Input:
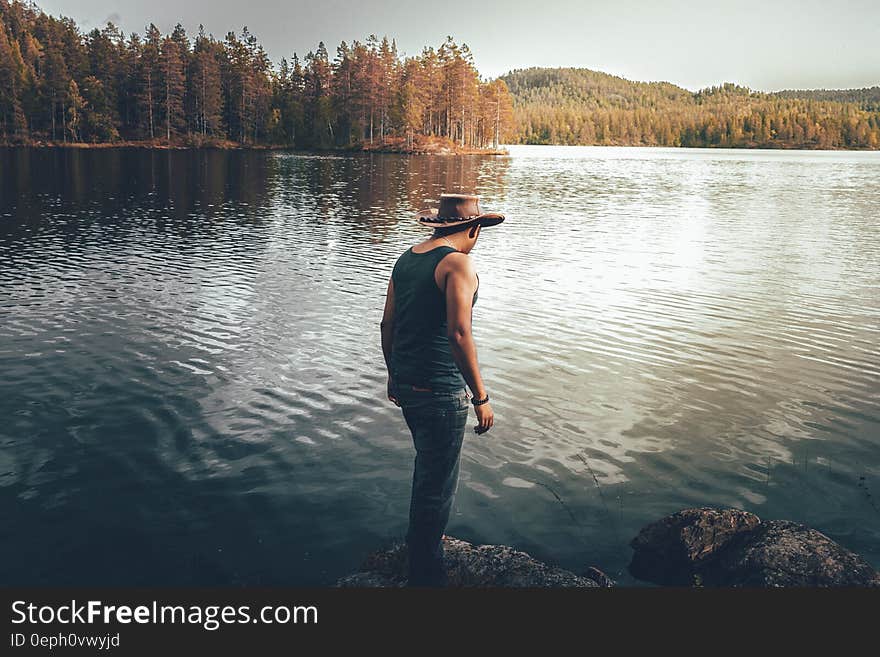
{"points": [[455, 210]]}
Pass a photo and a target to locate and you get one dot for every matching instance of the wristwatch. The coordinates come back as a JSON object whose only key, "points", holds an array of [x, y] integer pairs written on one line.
{"points": [[480, 402]]}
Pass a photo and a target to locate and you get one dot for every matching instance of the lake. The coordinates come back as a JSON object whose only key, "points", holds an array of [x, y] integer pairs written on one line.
{"points": [[193, 390]]}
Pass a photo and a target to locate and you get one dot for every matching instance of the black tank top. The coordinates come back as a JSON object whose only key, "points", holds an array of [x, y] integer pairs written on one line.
{"points": [[420, 353]]}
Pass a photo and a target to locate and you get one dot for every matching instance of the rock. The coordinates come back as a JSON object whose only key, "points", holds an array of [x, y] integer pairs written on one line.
{"points": [[599, 577], [731, 547], [667, 551], [471, 565], [367, 579], [784, 553]]}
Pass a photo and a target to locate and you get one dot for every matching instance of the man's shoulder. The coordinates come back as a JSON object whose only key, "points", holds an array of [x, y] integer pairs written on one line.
{"points": [[398, 260], [457, 261]]}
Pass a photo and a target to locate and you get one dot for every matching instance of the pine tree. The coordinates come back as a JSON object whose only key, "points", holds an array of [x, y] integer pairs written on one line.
{"points": [[149, 77], [12, 75], [75, 106], [97, 120], [206, 86], [173, 84]]}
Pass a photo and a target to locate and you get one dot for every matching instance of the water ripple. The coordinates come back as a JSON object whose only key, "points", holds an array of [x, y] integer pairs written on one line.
{"points": [[190, 354]]}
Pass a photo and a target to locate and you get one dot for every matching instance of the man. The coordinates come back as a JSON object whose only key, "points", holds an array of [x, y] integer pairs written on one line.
{"points": [[430, 354]]}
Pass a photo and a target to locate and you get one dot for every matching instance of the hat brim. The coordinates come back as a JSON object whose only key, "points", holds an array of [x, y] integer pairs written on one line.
{"points": [[429, 219]]}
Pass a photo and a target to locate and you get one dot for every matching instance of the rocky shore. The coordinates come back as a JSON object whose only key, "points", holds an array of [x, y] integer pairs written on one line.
{"points": [[703, 547], [474, 565]]}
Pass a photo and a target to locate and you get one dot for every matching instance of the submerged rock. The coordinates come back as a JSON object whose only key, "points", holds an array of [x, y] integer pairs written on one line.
{"points": [[731, 547], [474, 566]]}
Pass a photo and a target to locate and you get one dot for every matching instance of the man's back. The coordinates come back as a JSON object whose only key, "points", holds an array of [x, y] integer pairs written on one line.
{"points": [[421, 353]]}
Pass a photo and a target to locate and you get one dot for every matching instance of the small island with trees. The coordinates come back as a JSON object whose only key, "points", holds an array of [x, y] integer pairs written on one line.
{"points": [[60, 87]]}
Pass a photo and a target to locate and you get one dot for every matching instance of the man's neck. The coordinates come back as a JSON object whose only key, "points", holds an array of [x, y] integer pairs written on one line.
{"points": [[448, 241]]}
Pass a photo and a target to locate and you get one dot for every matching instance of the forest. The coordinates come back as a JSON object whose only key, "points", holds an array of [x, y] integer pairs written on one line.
{"points": [[580, 106], [59, 85], [868, 99]]}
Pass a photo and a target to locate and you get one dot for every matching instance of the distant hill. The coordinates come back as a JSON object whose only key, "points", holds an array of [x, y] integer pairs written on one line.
{"points": [[581, 106], [868, 99], [581, 85]]}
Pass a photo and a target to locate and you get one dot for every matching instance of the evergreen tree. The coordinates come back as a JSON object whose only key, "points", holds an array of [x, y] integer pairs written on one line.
{"points": [[205, 90], [75, 105], [150, 91], [98, 123], [173, 84], [12, 75]]}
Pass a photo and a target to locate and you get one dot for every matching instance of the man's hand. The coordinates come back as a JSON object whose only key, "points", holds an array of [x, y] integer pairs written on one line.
{"points": [[485, 416], [391, 394]]}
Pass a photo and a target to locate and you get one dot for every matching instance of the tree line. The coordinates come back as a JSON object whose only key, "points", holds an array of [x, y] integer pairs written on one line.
{"points": [[580, 106], [59, 84], [867, 99]]}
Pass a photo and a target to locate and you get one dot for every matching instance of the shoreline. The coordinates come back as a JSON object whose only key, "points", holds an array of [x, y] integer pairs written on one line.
{"points": [[786, 147], [433, 146], [696, 547], [393, 149]]}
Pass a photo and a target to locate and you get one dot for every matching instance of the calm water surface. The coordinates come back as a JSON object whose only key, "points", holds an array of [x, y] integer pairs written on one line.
{"points": [[192, 388]]}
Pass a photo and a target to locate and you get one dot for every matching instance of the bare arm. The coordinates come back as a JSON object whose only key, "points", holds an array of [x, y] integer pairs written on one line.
{"points": [[387, 328], [461, 283]]}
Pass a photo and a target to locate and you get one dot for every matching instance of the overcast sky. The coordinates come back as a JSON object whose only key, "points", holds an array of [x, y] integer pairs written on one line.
{"points": [[763, 44]]}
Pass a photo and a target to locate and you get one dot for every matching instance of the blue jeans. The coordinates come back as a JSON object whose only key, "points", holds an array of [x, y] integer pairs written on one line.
{"points": [[437, 421]]}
